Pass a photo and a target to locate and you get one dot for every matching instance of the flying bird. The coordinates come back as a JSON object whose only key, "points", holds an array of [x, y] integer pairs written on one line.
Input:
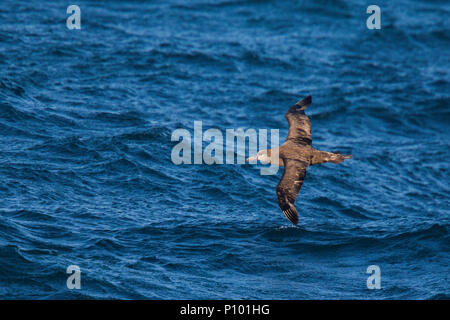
{"points": [[295, 154]]}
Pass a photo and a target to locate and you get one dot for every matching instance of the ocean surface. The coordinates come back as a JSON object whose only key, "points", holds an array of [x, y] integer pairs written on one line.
{"points": [[86, 177]]}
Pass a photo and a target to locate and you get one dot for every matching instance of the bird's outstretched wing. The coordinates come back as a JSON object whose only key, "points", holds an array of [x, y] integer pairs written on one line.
{"points": [[299, 124], [289, 186]]}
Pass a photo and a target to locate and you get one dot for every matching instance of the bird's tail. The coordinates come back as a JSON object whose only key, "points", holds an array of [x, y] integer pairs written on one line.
{"points": [[303, 104], [338, 158]]}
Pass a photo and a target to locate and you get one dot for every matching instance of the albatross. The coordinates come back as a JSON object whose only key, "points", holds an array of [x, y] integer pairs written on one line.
{"points": [[295, 155]]}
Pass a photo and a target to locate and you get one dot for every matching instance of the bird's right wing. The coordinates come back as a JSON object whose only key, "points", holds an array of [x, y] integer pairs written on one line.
{"points": [[299, 124], [289, 186]]}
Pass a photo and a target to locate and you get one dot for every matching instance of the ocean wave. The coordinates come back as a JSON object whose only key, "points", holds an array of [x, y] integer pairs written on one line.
{"points": [[86, 118]]}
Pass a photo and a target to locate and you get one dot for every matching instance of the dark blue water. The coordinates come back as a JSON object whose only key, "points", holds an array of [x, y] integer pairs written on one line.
{"points": [[86, 178]]}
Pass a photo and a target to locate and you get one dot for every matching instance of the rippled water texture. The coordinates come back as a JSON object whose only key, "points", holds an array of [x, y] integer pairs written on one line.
{"points": [[86, 118]]}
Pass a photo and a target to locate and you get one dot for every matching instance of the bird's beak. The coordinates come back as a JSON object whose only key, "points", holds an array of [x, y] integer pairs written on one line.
{"points": [[254, 158]]}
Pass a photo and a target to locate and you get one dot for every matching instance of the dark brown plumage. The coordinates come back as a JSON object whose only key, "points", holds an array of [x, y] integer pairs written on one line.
{"points": [[296, 154]]}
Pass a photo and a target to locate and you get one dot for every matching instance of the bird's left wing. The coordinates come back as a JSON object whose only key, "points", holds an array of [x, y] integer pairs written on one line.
{"points": [[289, 186]]}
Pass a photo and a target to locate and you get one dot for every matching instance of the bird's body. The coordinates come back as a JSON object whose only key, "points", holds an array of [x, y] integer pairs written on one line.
{"points": [[295, 154]]}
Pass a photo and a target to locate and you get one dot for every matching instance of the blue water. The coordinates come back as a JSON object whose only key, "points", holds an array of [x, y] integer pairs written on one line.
{"points": [[86, 118]]}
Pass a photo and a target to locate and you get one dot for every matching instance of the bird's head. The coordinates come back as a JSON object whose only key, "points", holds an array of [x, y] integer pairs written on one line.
{"points": [[263, 156]]}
